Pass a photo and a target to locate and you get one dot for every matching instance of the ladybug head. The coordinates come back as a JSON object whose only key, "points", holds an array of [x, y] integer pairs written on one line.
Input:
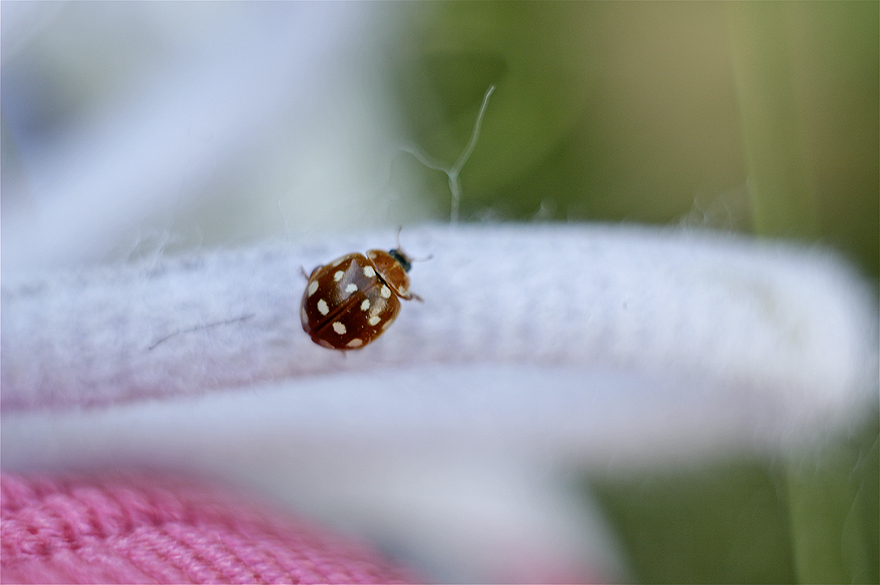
{"points": [[401, 258]]}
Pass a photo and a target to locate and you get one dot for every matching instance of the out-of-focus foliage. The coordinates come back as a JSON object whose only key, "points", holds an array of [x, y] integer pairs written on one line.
{"points": [[812, 519], [753, 117], [715, 524]]}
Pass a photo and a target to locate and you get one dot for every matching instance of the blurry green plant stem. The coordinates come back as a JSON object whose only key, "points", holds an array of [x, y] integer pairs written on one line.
{"points": [[783, 198], [831, 538]]}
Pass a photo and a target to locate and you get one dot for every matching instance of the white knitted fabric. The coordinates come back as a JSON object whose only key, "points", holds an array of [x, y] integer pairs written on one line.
{"points": [[575, 324], [536, 348]]}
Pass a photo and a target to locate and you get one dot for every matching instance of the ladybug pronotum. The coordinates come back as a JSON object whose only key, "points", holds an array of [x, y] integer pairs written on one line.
{"points": [[350, 302]]}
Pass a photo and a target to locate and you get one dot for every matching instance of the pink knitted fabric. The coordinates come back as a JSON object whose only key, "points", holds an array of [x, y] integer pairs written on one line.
{"points": [[140, 528]]}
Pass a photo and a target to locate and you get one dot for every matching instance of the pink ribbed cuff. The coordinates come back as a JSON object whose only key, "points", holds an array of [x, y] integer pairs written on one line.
{"points": [[141, 528]]}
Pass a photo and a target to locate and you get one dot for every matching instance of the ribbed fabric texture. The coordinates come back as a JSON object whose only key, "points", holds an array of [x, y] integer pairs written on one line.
{"points": [[747, 314], [153, 529]]}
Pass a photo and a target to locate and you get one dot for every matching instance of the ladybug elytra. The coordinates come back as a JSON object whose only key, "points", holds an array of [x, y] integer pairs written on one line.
{"points": [[350, 302]]}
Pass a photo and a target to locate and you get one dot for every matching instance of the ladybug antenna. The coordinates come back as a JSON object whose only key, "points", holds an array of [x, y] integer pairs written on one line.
{"points": [[420, 259], [405, 259]]}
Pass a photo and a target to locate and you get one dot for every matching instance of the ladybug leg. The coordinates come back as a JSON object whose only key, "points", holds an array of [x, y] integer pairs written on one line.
{"points": [[305, 274], [414, 296]]}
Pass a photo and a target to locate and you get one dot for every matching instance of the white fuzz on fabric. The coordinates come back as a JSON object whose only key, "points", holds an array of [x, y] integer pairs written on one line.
{"points": [[775, 337], [537, 349]]}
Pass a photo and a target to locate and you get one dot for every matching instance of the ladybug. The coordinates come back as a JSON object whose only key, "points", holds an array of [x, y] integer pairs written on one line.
{"points": [[350, 302]]}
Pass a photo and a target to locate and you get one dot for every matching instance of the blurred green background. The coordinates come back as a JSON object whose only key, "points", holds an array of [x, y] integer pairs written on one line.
{"points": [[749, 117]]}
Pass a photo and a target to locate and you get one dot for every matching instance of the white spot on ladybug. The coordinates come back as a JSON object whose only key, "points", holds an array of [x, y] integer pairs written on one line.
{"points": [[355, 342], [338, 262], [313, 287], [369, 272], [374, 320], [339, 327], [337, 276], [351, 288], [322, 307], [385, 292], [365, 306], [387, 324]]}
